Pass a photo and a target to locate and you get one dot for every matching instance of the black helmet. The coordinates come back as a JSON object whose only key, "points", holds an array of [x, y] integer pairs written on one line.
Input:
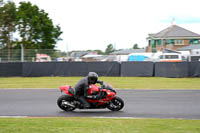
{"points": [[92, 78]]}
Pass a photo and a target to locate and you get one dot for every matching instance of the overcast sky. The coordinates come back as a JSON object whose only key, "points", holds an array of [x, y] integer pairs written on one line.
{"points": [[93, 24]]}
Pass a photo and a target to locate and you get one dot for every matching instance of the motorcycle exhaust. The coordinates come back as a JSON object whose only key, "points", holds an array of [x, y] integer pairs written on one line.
{"points": [[68, 104]]}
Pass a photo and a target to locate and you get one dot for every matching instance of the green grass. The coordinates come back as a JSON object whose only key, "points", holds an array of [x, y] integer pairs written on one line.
{"points": [[97, 125], [116, 82]]}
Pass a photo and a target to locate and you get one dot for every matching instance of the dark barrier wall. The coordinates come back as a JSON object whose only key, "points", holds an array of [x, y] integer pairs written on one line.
{"points": [[134, 69], [10, 69], [35, 69], [194, 69], [137, 69], [82, 68], [171, 69]]}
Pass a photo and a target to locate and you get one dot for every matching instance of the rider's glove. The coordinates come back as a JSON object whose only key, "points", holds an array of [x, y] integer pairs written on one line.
{"points": [[100, 82]]}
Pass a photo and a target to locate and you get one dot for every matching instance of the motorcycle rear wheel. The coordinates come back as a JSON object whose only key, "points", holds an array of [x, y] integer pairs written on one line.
{"points": [[116, 104], [66, 98]]}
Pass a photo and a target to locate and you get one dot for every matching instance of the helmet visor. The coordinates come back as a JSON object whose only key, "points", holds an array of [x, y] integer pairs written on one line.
{"points": [[92, 80]]}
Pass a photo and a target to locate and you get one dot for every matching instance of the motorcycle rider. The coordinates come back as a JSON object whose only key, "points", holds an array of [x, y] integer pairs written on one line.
{"points": [[81, 88]]}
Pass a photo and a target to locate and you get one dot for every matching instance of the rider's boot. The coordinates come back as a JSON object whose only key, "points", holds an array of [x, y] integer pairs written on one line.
{"points": [[82, 99]]}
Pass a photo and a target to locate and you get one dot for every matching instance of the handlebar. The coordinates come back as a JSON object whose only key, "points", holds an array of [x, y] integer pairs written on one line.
{"points": [[107, 88]]}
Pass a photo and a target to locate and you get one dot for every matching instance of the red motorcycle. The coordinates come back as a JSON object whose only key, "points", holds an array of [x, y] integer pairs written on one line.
{"points": [[107, 98]]}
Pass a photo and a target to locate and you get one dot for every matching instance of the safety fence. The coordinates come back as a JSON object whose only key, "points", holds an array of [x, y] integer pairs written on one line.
{"points": [[30, 55], [124, 69]]}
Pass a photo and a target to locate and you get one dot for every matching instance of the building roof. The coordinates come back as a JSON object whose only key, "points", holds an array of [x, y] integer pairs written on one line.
{"points": [[128, 51], [190, 47], [175, 31], [91, 56], [169, 51], [79, 54]]}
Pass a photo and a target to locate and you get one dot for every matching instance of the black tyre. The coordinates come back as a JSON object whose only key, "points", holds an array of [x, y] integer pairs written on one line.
{"points": [[116, 104], [66, 103]]}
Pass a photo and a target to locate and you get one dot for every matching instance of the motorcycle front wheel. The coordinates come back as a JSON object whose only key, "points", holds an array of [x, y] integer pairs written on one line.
{"points": [[65, 102], [116, 104]]}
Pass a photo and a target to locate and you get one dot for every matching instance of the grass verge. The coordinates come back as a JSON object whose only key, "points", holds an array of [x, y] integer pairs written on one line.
{"points": [[117, 82], [97, 125]]}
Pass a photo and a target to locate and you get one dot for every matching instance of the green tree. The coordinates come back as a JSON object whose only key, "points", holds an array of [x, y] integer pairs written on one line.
{"points": [[135, 46], [109, 49], [99, 52], [7, 24], [36, 29]]}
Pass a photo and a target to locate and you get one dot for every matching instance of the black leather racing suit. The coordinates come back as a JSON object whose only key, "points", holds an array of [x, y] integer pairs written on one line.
{"points": [[81, 91]]}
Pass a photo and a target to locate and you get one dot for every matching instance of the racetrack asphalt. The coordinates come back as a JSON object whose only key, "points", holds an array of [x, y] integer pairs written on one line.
{"points": [[183, 104]]}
